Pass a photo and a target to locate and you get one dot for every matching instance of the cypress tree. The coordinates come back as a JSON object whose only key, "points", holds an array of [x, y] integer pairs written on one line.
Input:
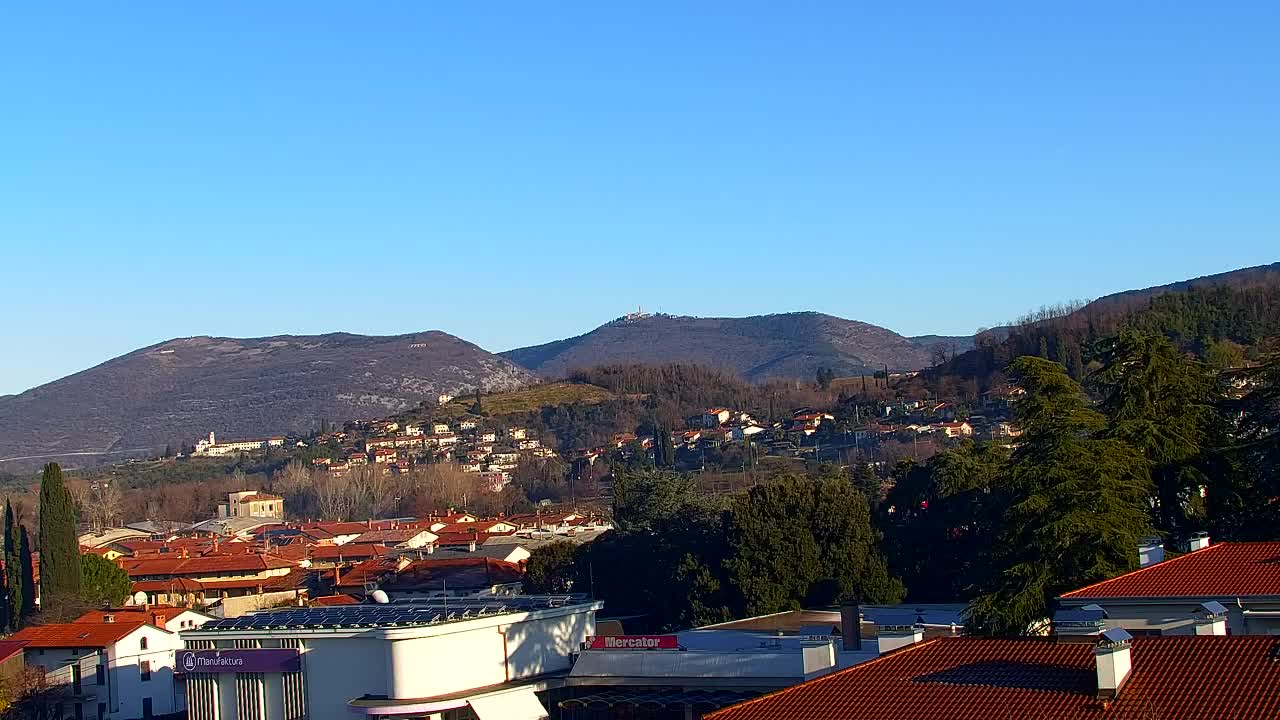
{"points": [[28, 572], [59, 552], [13, 567]]}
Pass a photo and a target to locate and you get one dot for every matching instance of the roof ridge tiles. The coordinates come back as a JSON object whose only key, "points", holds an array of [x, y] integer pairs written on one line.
{"points": [[1162, 564]]}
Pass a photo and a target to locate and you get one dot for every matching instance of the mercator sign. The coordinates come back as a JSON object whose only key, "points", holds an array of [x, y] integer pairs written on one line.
{"points": [[633, 642]]}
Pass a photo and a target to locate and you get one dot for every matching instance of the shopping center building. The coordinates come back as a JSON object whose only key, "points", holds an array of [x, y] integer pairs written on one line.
{"points": [[494, 659]]}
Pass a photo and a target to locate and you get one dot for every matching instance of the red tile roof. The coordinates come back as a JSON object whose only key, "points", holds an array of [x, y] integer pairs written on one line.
{"points": [[388, 537], [9, 648], [348, 552], [1226, 569], [166, 586], [453, 573], [75, 635], [202, 566], [335, 600], [134, 613], [1206, 678]]}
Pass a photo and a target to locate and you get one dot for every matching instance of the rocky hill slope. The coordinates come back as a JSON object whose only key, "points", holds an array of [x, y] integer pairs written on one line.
{"points": [[170, 393]]}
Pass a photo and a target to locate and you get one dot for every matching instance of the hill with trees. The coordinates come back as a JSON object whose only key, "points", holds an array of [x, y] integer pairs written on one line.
{"points": [[171, 393], [762, 347], [1224, 319]]}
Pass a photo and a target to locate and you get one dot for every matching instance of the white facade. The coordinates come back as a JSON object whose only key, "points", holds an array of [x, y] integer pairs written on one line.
{"points": [[123, 681], [410, 671]]}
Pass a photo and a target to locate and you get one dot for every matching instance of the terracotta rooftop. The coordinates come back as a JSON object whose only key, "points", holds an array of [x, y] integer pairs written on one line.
{"points": [[9, 648], [75, 635], [201, 566], [348, 552], [335, 600], [1227, 569], [388, 537], [1206, 678], [453, 573]]}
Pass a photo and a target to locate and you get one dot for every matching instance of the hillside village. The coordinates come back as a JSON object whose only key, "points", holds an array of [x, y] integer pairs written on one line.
{"points": [[492, 449]]}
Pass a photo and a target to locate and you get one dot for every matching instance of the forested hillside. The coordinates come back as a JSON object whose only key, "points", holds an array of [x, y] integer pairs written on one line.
{"points": [[1225, 323]]}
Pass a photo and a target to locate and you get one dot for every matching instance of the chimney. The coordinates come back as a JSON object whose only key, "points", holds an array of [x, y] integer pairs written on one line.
{"points": [[1199, 541], [471, 546], [108, 618], [158, 619], [898, 631], [183, 552], [337, 575], [1211, 618], [851, 626], [431, 548], [1113, 661], [1150, 551]]}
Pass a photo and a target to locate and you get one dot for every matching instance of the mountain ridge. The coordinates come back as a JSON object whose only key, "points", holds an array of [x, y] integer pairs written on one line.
{"points": [[790, 345], [170, 392]]}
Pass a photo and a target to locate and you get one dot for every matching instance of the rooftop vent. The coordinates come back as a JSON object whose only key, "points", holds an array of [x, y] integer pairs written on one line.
{"points": [[1211, 618]]}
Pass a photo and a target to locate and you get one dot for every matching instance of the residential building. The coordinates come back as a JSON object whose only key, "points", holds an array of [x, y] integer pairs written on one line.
{"points": [[252, 503], [12, 663], [106, 670], [211, 447], [168, 617], [713, 417]]}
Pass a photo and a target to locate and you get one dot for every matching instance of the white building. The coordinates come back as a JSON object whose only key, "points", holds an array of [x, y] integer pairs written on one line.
{"points": [[108, 671], [211, 446], [486, 659], [252, 504]]}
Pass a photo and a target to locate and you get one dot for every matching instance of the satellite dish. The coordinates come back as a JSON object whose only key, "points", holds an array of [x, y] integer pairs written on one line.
{"points": [[139, 598], [380, 597]]}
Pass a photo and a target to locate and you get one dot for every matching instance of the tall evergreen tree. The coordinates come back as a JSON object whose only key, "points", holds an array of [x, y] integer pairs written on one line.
{"points": [[1076, 504], [13, 567], [27, 565], [1160, 402], [1060, 349], [59, 552], [1044, 347], [1075, 362], [1245, 480]]}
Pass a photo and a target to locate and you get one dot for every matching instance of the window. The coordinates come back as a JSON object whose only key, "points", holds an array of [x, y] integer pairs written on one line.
{"points": [[100, 675], [146, 708], [102, 711], [79, 711], [75, 679], [144, 666], [143, 643]]}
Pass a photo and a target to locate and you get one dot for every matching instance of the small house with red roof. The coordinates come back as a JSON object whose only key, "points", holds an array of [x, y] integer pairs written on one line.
{"points": [[117, 670]]}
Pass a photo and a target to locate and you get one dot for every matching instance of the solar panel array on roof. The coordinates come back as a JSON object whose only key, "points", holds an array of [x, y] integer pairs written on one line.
{"points": [[398, 614]]}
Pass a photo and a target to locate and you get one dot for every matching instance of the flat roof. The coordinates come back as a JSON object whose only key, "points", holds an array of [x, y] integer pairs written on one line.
{"points": [[413, 613]]}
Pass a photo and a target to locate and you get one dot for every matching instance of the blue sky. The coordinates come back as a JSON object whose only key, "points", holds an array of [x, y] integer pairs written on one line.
{"points": [[515, 173]]}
